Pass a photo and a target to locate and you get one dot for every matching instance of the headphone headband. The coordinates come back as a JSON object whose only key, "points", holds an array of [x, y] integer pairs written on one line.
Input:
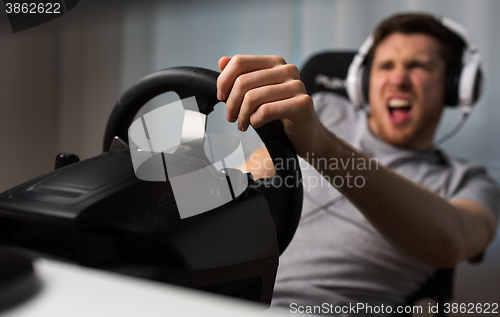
{"points": [[354, 84]]}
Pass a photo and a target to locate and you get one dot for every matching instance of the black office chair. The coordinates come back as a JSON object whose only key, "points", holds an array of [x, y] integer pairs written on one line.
{"points": [[327, 71]]}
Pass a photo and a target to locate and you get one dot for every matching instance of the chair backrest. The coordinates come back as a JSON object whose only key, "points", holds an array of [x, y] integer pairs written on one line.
{"points": [[438, 287], [327, 71]]}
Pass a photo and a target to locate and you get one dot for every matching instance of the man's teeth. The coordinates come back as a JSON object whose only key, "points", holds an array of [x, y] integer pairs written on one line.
{"points": [[399, 103]]}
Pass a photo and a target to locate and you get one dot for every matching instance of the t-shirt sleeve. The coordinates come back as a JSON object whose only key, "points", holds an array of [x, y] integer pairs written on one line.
{"points": [[477, 186], [335, 112]]}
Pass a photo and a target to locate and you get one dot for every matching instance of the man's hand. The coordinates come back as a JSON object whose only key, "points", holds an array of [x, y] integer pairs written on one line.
{"points": [[261, 89]]}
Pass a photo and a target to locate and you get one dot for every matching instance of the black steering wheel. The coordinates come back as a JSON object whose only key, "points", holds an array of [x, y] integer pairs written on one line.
{"points": [[283, 192]]}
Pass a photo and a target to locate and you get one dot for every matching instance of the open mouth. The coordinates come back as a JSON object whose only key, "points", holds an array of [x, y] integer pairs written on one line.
{"points": [[399, 110]]}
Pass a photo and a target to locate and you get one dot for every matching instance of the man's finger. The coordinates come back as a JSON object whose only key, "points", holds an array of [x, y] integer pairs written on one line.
{"points": [[266, 94], [292, 109], [261, 78], [241, 64], [223, 62]]}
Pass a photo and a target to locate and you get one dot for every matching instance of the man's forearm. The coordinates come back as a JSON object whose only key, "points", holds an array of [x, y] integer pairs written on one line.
{"points": [[408, 215]]}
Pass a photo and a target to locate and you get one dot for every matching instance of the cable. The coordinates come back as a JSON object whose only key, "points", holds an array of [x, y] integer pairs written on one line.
{"points": [[452, 133]]}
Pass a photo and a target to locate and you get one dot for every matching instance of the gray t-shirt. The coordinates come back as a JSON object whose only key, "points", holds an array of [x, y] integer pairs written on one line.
{"points": [[336, 256]]}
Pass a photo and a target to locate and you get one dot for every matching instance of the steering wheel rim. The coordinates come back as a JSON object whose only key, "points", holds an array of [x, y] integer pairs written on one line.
{"points": [[285, 202]]}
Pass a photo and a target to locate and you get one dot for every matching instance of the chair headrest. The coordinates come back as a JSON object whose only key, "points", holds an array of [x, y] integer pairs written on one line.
{"points": [[327, 72]]}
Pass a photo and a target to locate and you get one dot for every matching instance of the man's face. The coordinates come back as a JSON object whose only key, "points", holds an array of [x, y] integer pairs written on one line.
{"points": [[406, 90]]}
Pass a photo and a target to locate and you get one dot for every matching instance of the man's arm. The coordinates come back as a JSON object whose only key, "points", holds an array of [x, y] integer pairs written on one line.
{"points": [[410, 216], [260, 164], [260, 89]]}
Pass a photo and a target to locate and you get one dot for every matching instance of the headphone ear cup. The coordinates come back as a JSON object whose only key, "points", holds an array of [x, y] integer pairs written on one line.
{"points": [[365, 81], [478, 85], [452, 84]]}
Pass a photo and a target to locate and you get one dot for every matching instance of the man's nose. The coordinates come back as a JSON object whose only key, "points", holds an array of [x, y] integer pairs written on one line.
{"points": [[400, 78]]}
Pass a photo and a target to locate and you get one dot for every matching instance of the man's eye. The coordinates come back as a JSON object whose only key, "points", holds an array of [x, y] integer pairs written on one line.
{"points": [[385, 66], [418, 65]]}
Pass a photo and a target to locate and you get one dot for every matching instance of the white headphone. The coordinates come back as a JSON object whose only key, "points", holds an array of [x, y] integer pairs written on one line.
{"points": [[465, 82]]}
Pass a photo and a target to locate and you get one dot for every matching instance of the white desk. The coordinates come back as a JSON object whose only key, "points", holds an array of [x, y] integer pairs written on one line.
{"points": [[72, 291]]}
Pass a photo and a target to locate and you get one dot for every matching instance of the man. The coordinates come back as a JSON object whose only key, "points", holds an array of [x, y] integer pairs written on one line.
{"points": [[378, 240]]}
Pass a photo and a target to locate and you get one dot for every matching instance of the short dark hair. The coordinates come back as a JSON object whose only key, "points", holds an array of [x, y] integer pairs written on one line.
{"points": [[452, 45]]}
